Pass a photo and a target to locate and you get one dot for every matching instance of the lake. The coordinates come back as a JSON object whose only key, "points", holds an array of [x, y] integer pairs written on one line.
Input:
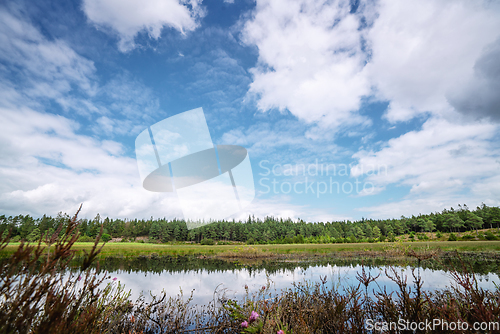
{"points": [[205, 276]]}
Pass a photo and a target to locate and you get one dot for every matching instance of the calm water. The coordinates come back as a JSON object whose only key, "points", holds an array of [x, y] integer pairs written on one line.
{"points": [[205, 277]]}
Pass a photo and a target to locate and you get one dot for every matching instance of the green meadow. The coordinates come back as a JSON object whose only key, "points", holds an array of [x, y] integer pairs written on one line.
{"points": [[131, 249]]}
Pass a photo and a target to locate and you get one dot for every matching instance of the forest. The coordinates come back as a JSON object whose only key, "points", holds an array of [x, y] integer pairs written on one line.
{"points": [[258, 231]]}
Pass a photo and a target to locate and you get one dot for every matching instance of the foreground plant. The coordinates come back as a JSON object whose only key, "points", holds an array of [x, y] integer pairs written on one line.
{"points": [[39, 294]]}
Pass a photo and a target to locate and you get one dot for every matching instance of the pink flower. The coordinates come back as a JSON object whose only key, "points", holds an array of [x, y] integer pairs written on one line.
{"points": [[79, 278], [244, 324], [280, 332], [253, 316], [114, 279]]}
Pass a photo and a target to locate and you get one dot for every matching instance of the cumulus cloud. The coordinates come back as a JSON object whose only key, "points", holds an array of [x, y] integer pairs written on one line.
{"points": [[47, 164], [127, 18], [39, 68], [318, 59], [310, 60], [421, 49], [443, 164], [279, 140], [478, 96], [49, 168], [425, 58], [280, 207]]}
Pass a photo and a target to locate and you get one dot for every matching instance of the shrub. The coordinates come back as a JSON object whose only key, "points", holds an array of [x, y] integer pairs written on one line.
{"points": [[490, 236], [422, 236], [439, 234], [85, 238], [467, 237], [452, 237], [106, 237], [208, 242]]}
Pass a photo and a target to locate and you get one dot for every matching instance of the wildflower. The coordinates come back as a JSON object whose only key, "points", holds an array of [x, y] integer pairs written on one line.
{"points": [[246, 287], [79, 278], [254, 316], [280, 332], [263, 287], [114, 279], [244, 324]]}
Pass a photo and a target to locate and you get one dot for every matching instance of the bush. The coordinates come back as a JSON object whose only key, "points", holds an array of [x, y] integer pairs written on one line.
{"points": [[452, 237], [85, 238], [106, 237], [467, 237], [490, 236], [251, 241], [208, 242], [439, 234], [422, 236]]}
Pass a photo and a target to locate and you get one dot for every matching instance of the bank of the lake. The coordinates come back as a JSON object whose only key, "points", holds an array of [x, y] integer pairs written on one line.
{"points": [[132, 249]]}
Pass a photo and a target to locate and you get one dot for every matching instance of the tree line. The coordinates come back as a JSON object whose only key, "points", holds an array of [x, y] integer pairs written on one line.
{"points": [[256, 230]]}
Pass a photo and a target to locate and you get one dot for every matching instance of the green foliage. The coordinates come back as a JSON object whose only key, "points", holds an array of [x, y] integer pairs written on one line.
{"points": [[106, 237], [490, 236], [259, 231], [439, 234], [39, 297], [85, 238], [34, 235], [207, 242], [422, 236], [452, 237]]}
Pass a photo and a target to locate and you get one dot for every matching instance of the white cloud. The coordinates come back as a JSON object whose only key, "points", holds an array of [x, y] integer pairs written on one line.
{"points": [[312, 56], [443, 164], [279, 138], [477, 96], [41, 68], [281, 207], [310, 60], [48, 168], [421, 49], [129, 17]]}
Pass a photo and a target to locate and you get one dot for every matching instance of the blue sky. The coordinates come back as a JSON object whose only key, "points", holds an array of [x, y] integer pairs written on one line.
{"points": [[400, 96]]}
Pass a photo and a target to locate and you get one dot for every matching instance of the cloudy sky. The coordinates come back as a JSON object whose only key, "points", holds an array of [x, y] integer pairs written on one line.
{"points": [[348, 109]]}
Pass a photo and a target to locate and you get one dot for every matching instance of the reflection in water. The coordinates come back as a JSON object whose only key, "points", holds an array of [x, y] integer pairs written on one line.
{"points": [[204, 276]]}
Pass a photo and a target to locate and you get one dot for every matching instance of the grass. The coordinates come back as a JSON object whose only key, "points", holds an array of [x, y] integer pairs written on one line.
{"points": [[131, 249]]}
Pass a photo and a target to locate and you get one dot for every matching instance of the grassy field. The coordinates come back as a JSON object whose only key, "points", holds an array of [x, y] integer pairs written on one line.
{"points": [[131, 249]]}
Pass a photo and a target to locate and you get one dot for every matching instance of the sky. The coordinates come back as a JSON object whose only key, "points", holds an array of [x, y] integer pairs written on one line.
{"points": [[347, 109]]}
